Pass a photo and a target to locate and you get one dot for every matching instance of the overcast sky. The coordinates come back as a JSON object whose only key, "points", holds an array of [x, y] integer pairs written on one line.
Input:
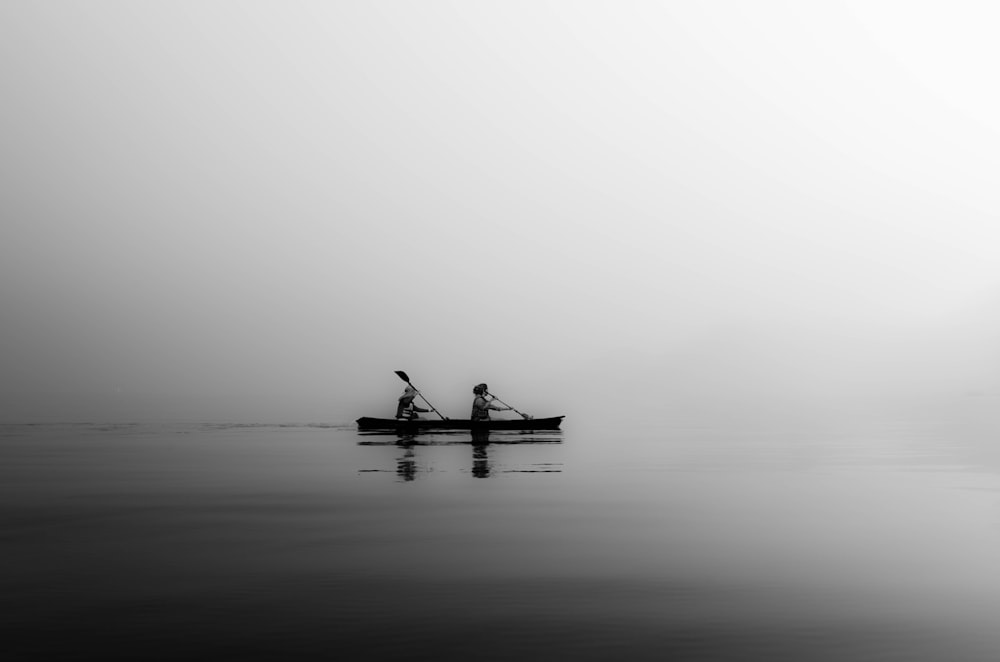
{"points": [[262, 209]]}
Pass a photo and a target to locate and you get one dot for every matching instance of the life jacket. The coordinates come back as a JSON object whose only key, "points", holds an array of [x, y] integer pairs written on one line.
{"points": [[405, 408], [480, 413]]}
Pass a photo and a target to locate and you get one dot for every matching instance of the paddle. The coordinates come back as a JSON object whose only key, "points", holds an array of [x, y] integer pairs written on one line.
{"points": [[402, 375], [523, 415]]}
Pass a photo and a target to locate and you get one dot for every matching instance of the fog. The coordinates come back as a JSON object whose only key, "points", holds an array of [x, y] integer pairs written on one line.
{"points": [[260, 210]]}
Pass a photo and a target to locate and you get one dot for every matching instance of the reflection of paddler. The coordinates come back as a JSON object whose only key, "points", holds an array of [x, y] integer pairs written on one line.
{"points": [[406, 466], [406, 409], [480, 458]]}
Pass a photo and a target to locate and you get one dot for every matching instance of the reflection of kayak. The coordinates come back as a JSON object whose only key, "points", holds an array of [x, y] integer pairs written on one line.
{"points": [[369, 423]]}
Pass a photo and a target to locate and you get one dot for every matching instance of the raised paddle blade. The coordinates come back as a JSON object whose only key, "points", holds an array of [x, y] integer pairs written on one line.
{"points": [[403, 376]]}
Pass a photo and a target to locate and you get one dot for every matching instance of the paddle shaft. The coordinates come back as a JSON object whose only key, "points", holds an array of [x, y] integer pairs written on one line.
{"points": [[443, 417], [523, 415]]}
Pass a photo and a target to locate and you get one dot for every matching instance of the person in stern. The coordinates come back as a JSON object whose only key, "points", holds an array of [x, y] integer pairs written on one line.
{"points": [[405, 409], [481, 406]]}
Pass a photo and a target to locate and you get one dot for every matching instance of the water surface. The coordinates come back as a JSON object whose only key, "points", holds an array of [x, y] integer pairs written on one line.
{"points": [[648, 541]]}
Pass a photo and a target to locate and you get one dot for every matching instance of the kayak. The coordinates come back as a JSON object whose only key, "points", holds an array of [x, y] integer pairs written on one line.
{"points": [[369, 423]]}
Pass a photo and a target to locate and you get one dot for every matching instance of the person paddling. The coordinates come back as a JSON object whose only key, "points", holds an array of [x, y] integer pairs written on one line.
{"points": [[481, 406], [405, 409]]}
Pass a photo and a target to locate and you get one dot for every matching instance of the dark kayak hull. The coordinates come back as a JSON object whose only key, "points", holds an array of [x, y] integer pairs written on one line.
{"points": [[368, 423]]}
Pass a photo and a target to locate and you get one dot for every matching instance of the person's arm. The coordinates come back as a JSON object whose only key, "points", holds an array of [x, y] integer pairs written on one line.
{"points": [[482, 404]]}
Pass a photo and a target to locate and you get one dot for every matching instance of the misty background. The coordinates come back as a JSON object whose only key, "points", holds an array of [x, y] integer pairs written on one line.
{"points": [[257, 211]]}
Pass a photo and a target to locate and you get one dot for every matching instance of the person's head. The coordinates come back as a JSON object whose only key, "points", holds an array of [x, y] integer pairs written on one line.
{"points": [[408, 394], [479, 389]]}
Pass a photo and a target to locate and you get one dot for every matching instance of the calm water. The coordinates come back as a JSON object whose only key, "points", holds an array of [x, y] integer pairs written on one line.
{"points": [[647, 542]]}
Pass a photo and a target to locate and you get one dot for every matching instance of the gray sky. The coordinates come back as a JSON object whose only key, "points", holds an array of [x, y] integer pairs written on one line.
{"points": [[262, 209]]}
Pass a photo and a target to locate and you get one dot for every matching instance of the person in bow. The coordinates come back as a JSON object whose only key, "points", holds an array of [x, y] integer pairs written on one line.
{"points": [[481, 406]]}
